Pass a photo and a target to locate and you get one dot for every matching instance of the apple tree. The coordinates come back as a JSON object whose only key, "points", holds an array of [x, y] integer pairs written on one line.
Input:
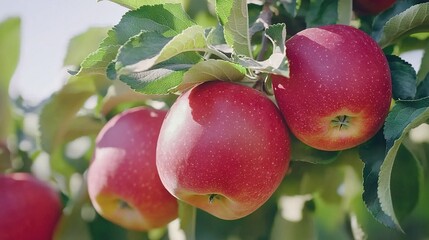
{"points": [[233, 119]]}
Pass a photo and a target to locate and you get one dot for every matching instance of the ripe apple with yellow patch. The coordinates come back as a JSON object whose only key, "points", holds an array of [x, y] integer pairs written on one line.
{"points": [[339, 90], [30, 208], [123, 181], [223, 148]]}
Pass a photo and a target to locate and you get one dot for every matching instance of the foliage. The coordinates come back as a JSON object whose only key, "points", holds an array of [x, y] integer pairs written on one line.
{"points": [[162, 48]]}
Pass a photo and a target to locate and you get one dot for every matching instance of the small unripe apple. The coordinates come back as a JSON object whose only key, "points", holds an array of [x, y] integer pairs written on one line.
{"points": [[123, 181], [223, 148], [372, 6], [29, 208], [339, 90]]}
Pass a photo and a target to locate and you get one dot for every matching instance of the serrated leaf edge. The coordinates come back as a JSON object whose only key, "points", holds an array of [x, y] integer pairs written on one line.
{"points": [[383, 42], [164, 54], [383, 190]]}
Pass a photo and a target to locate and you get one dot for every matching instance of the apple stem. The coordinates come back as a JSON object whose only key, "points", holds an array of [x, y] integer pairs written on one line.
{"points": [[212, 197]]}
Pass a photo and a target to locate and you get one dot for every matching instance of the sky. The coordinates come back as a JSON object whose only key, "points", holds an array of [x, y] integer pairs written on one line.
{"points": [[46, 28]]}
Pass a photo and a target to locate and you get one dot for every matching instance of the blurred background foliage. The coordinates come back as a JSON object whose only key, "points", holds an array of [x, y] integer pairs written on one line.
{"points": [[54, 141]]}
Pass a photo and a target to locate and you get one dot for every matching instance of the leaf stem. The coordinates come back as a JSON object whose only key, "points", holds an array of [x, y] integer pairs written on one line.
{"points": [[265, 17], [345, 12], [217, 53], [188, 216]]}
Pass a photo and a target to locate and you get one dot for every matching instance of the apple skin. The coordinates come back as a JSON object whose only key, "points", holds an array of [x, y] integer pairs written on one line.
{"points": [[339, 90], [30, 209], [371, 6], [123, 182], [223, 148]]}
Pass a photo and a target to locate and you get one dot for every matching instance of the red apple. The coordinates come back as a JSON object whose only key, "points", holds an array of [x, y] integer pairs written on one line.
{"points": [[123, 182], [29, 208], [224, 148], [339, 90], [371, 6]]}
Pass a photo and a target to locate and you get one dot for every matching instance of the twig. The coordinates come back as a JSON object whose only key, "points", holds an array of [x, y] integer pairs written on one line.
{"points": [[265, 18]]}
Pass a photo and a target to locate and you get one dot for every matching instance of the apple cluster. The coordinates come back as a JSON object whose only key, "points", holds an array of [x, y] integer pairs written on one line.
{"points": [[225, 148]]}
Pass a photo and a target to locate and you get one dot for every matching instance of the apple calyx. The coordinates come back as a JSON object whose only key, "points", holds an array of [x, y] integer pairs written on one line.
{"points": [[212, 197], [124, 205], [341, 121]]}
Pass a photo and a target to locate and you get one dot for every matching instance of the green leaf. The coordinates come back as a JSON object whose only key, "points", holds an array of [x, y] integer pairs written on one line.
{"points": [[372, 153], [302, 226], [190, 39], [415, 19], [167, 20], [304, 153], [345, 12], [82, 44], [5, 157], [381, 19], [10, 39], [83, 125], [119, 93], [290, 6], [277, 62], [277, 35], [59, 122], [97, 61], [255, 226], [423, 88], [211, 70], [134, 4], [71, 221], [147, 49], [55, 118], [155, 81], [233, 15], [424, 66], [262, 66], [408, 43], [216, 37], [223, 10], [187, 216], [162, 78], [405, 182], [403, 78], [404, 116], [145, 46], [322, 12]]}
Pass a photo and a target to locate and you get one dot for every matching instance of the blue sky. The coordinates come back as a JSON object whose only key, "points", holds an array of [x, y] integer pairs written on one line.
{"points": [[47, 26]]}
